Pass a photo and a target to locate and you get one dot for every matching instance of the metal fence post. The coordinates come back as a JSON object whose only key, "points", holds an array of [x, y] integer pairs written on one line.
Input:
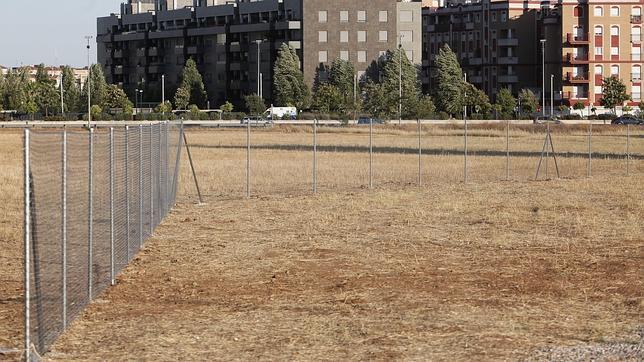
{"points": [[167, 161], [64, 231], [140, 186], [90, 218], [628, 150], [590, 150], [27, 237], [112, 256], [507, 151], [465, 154], [151, 127], [547, 149], [175, 177], [420, 155], [248, 160], [127, 191], [371, 153], [315, 156], [159, 193]]}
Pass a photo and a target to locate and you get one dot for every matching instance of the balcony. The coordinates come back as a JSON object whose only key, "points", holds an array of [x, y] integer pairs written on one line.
{"points": [[636, 96], [576, 59], [636, 38], [153, 52], [508, 60], [636, 77], [155, 69], [577, 38], [475, 61], [140, 52], [579, 78], [508, 42], [636, 19], [476, 79], [508, 78], [574, 96], [430, 28], [118, 70], [469, 26], [118, 54], [193, 50]]}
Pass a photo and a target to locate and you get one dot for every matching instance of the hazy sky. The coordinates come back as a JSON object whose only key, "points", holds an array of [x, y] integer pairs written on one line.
{"points": [[50, 31]]}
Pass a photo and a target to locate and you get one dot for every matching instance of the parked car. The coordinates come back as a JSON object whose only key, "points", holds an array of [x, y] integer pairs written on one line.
{"points": [[367, 120], [627, 119], [255, 120], [540, 119]]}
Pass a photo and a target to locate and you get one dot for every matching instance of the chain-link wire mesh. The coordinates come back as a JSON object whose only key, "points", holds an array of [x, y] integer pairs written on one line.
{"points": [[93, 198]]}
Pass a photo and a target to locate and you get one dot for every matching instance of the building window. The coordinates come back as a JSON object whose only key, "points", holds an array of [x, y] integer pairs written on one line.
{"points": [[614, 70], [599, 11], [410, 55], [344, 55], [382, 53], [322, 36], [614, 11], [362, 56], [383, 16], [383, 36], [344, 36], [344, 16], [636, 53], [323, 56], [599, 89], [599, 51], [599, 31], [362, 36], [614, 30], [322, 16], [406, 16], [504, 16], [637, 92], [614, 51], [578, 12], [636, 34], [599, 70], [406, 36], [494, 16], [362, 16], [361, 75]]}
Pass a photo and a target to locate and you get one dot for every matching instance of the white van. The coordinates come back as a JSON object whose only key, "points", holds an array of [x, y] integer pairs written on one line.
{"points": [[277, 113]]}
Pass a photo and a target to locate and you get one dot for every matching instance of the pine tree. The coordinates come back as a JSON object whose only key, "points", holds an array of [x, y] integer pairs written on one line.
{"points": [[17, 90], [476, 100], [528, 101], [191, 86], [98, 88], [46, 96], [376, 100], [614, 93], [328, 98], [450, 83], [116, 98], [71, 90], [255, 104], [289, 88], [342, 77], [506, 103], [2, 91], [392, 72]]}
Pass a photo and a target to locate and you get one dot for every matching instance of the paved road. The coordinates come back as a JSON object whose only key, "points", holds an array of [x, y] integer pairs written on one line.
{"points": [[236, 124]]}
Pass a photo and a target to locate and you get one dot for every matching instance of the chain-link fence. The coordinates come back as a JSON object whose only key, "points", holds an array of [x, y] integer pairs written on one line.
{"points": [[91, 200]]}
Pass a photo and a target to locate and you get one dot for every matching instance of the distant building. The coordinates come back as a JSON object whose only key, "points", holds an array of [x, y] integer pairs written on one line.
{"points": [[151, 39], [80, 74]]}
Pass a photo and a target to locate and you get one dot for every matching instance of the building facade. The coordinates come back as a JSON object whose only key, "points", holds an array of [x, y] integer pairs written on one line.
{"points": [[498, 43], [151, 40], [596, 39]]}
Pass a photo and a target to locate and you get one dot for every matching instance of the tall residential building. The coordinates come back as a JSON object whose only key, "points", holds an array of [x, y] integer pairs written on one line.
{"points": [[496, 42], [595, 39], [151, 39]]}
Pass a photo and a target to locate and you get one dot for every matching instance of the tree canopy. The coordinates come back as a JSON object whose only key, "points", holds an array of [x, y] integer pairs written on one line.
{"points": [[450, 82], [506, 103], [613, 93], [289, 88], [192, 89]]}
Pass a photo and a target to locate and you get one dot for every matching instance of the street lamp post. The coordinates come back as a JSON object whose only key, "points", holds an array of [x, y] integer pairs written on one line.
{"points": [[163, 89], [400, 79], [543, 74], [89, 83], [136, 101], [552, 95], [259, 42], [62, 100]]}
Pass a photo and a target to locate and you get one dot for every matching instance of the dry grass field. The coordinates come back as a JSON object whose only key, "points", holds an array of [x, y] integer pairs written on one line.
{"points": [[487, 270]]}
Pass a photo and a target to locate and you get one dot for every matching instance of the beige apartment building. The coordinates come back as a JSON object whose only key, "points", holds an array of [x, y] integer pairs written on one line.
{"points": [[596, 39]]}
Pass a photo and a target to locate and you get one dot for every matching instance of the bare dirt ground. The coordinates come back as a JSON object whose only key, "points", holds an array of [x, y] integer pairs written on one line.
{"points": [[487, 270]]}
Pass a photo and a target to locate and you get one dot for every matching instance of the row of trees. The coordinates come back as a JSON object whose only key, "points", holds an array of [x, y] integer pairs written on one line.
{"points": [[18, 92]]}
